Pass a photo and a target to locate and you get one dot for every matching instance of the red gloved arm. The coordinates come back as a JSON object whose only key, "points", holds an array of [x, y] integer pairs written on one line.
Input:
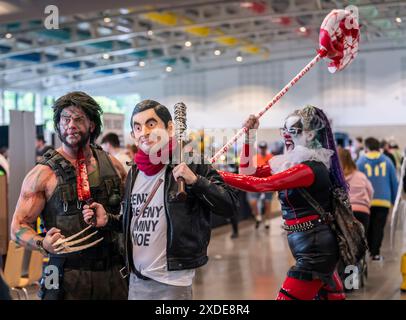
{"points": [[247, 165], [298, 176], [263, 171]]}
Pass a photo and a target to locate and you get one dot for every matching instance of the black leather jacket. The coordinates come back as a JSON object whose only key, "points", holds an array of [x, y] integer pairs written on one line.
{"points": [[188, 222]]}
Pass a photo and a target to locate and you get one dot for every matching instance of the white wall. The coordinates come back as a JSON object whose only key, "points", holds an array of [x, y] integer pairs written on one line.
{"points": [[371, 92]]}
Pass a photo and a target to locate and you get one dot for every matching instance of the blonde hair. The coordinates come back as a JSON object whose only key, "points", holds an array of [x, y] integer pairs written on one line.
{"points": [[346, 161]]}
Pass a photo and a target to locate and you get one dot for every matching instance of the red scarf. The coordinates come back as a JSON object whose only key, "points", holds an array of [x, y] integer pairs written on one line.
{"points": [[144, 163]]}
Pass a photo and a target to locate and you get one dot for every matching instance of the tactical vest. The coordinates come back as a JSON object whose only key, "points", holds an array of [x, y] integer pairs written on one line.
{"points": [[64, 211]]}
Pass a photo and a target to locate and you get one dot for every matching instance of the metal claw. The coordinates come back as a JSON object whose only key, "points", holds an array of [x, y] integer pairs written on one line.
{"points": [[79, 248], [61, 241], [65, 245], [71, 243]]}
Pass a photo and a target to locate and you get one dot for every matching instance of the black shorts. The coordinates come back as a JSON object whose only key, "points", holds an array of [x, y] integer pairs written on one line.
{"points": [[316, 253]]}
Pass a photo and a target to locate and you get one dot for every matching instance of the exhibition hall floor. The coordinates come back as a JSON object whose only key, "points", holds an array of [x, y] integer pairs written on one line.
{"points": [[254, 265]]}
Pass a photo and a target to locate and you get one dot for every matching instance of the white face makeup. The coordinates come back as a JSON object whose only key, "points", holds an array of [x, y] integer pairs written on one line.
{"points": [[293, 133]]}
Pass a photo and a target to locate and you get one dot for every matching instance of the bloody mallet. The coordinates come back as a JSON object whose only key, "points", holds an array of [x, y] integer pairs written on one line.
{"points": [[338, 41], [179, 111]]}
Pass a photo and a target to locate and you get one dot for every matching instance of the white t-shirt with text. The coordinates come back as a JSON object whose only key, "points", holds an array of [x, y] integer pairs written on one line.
{"points": [[149, 233]]}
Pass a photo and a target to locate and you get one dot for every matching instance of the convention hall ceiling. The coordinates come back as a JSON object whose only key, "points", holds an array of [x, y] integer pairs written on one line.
{"points": [[97, 41]]}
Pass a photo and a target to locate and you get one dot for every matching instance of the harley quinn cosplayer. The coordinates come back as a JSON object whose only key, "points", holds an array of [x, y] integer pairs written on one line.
{"points": [[310, 163]]}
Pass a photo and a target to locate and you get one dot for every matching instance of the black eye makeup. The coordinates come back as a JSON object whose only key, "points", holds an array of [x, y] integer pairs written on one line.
{"points": [[293, 131]]}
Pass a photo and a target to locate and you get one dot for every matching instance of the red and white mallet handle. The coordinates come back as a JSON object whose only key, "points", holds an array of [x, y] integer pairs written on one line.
{"points": [[275, 99]]}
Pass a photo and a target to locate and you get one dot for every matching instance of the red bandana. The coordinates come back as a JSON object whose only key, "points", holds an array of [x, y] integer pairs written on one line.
{"points": [[144, 163]]}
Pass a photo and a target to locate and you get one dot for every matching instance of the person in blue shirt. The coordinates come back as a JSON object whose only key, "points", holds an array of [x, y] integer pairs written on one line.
{"points": [[382, 173]]}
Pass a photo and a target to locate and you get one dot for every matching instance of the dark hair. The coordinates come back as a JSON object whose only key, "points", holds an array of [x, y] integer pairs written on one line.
{"points": [[372, 144], [83, 101], [40, 137], [3, 150], [359, 139], [393, 145], [111, 138], [384, 143], [326, 138], [262, 144], [161, 111]]}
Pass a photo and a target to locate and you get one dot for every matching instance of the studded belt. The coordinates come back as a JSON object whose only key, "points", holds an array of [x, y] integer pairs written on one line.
{"points": [[303, 226]]}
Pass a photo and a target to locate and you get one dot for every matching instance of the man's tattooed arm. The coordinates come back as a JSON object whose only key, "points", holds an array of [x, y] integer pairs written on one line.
{"points": [[29, 206]]}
